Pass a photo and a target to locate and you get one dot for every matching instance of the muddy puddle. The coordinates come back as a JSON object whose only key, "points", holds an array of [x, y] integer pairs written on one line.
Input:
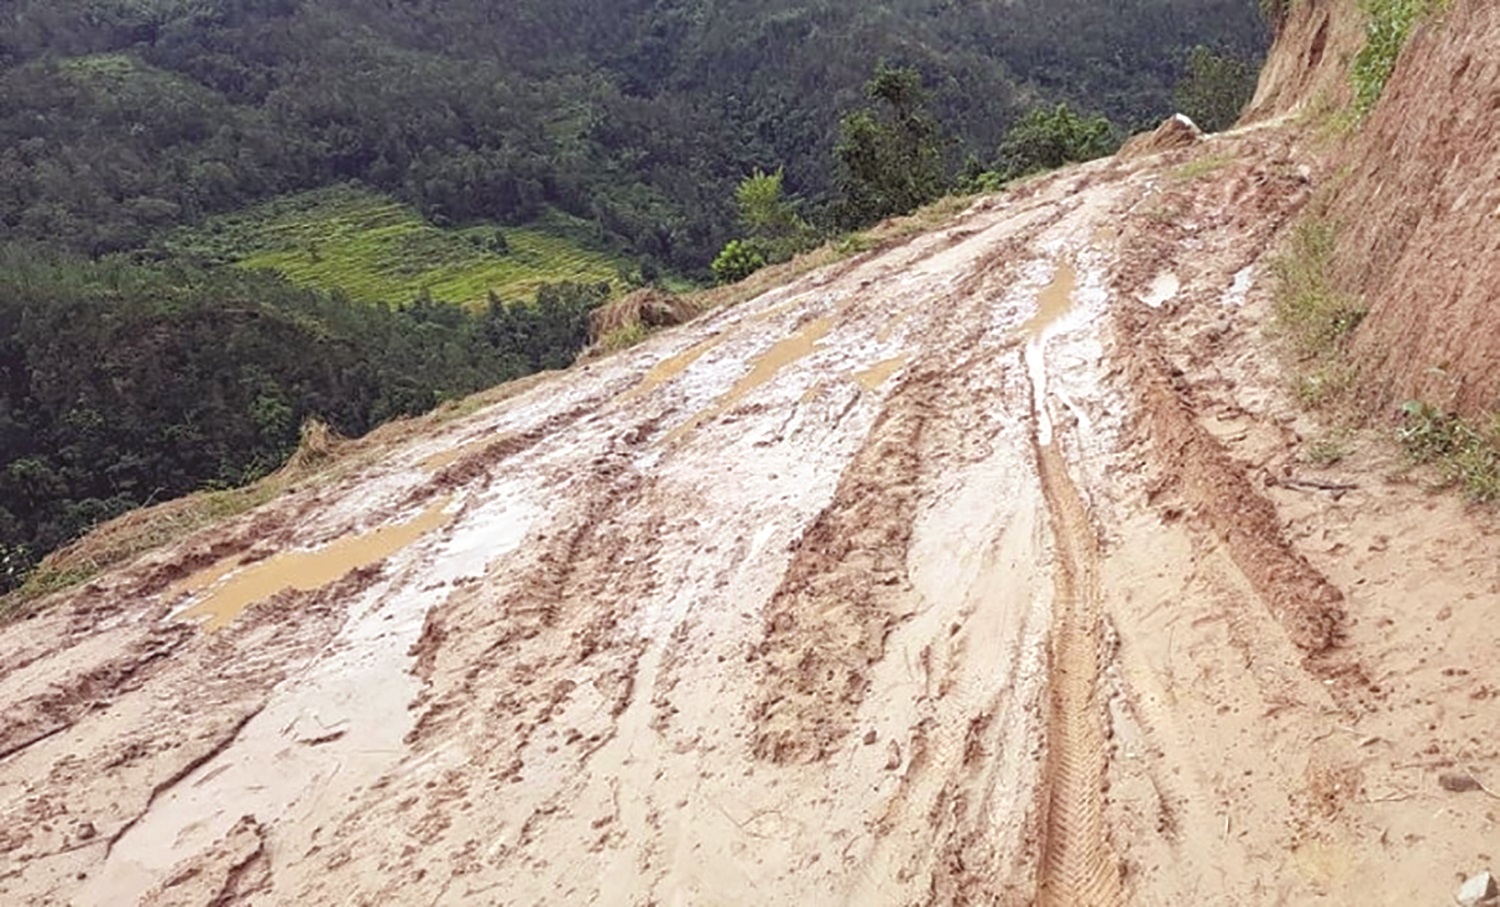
{"points": [[781, 354], [1053, 303], [668, 369], [874, 377], [231, 590]]}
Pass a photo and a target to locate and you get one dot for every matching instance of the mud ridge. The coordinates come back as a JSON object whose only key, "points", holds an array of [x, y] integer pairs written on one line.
{"points": [[841, 596], [1190, 461]]}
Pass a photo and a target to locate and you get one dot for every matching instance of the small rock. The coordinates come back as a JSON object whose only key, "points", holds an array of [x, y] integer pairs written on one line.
{"points": [[870, 736], [85, 831], [1477, 890], [1457, 782], [893, 757]]}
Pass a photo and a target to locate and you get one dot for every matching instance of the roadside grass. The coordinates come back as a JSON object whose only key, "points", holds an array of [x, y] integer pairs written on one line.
{"points": [[375, 249], [1315, 319], [1466, 453]]}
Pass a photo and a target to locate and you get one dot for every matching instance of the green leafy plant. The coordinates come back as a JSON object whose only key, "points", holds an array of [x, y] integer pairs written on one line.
{"points": [[1388, 23], [770, 217], [1049, 137], [1466, 453], [738, 260]]}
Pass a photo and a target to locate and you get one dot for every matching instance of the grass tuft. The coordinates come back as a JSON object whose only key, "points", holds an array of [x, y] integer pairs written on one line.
{"points": [[1466, 453], [1315, 317]]}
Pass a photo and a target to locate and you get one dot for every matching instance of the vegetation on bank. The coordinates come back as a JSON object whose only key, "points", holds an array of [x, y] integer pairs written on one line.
{"points": [[123, 384], [1317, 322], [1388, 23]]}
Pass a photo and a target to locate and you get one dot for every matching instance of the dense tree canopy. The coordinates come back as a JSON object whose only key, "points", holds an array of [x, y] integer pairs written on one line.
{"points": [[118, 117]]}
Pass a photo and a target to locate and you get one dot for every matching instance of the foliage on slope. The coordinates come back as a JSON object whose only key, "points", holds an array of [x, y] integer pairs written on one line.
{"points": [[122, 384]]}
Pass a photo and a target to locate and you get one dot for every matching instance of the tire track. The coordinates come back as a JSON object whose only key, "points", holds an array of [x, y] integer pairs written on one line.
{"points": [[1078, 865]]}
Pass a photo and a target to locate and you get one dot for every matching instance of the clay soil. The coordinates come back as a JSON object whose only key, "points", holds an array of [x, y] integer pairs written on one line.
{"points": [[993, 566]]}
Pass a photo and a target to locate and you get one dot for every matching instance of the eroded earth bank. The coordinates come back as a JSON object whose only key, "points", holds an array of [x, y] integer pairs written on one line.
{"points": [[989, 566]]}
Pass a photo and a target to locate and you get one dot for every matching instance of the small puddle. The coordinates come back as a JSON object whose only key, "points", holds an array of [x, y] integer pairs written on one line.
{"points": [[450, 455], [302, 571], [667, 369], [779, 356], [878, 374], [1054, 301]]}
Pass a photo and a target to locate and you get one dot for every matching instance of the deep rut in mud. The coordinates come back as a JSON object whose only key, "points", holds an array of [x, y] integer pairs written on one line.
{"points": [[1078, 865]]}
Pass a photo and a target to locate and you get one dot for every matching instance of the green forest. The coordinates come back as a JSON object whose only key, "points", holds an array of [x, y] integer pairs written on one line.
{"points": [[220, 217]]}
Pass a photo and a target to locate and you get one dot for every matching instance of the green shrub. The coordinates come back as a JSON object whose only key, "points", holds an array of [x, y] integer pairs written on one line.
{"points": [[1466, 454], [738, 260], [1387, 25], [1049, 137]]}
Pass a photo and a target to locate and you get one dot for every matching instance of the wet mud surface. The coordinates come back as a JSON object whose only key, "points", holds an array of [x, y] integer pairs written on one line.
{"points": [[972, 570]]}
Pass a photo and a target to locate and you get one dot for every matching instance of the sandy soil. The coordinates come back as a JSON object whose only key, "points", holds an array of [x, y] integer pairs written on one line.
{"points": [[987, 567]]}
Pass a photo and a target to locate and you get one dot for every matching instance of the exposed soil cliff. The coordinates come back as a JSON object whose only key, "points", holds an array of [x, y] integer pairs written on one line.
{"points": [[1419, 217], [1308, 66], [1416, 202]]}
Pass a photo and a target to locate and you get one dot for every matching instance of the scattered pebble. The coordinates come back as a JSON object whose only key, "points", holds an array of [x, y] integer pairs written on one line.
{"points": [[1458, 782], [1478, 889]]}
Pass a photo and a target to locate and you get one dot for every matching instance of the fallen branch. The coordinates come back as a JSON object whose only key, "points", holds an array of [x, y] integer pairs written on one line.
{"points": [[1338, 488]]}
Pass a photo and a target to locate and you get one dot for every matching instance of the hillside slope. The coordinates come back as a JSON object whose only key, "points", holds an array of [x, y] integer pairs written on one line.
{"points": [[985, 567], [994, 565]]}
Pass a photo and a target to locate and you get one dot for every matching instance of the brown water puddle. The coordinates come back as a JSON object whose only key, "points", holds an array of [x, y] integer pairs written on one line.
{"points": [[1053, 302], [303, 571], [767, 364], [668, 369], [878, 374], [451, 455]]}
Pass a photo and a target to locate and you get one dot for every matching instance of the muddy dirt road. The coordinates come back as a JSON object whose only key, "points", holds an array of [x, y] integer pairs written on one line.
{"points": [[990, 566]]}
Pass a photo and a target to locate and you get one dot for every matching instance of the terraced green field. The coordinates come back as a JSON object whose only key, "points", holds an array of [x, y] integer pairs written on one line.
{"points": [[378, 250]]}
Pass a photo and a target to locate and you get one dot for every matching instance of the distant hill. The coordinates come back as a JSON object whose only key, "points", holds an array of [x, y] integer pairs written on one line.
{"points": [[123, 117]]}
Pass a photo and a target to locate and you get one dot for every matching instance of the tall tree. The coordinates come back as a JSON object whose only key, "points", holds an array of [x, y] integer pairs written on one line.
{"points": [[890, 161]]}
